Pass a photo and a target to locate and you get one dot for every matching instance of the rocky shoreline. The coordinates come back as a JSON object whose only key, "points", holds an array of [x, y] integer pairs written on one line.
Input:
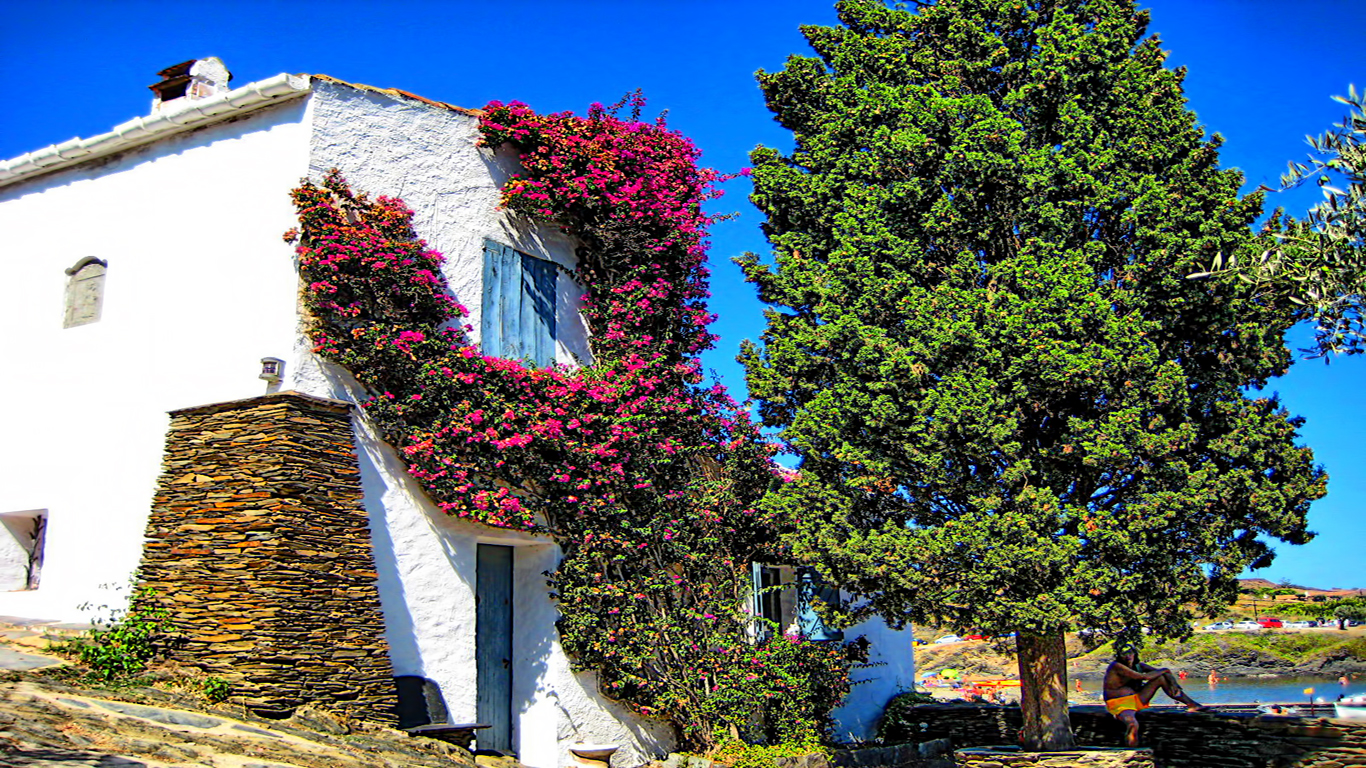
{"points": [[1232, 654]]}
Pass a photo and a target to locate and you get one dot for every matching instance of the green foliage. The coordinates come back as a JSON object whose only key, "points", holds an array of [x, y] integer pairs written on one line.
{"points": [[1013, 411], [784, 690], [899, 724], [1349, 608], [1354, 648], [1293, 648], [121, 644], [1319, 263], [647, 478], [1310, 609], [738, 754], [215, 688]]}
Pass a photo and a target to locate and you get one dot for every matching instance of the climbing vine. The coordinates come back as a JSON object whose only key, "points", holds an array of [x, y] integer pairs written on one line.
{"points": [[646, 476]]}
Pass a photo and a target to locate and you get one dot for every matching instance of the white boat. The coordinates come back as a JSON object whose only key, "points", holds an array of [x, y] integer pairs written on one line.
{"points": [[1351, 708]]}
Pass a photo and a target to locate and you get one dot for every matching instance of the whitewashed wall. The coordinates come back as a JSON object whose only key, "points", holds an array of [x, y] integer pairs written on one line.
{"points": [[891, 671], [199, 288], [428, 156]]}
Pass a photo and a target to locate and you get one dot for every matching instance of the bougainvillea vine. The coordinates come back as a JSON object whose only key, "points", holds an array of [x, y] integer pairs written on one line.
{"points": [[647, 477]]}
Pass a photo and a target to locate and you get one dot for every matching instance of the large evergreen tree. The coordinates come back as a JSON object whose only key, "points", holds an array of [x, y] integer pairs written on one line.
{"points": [[1013, 410]]}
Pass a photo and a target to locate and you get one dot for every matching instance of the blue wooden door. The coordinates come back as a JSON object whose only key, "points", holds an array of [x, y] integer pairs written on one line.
{"points": [[493, 646]]}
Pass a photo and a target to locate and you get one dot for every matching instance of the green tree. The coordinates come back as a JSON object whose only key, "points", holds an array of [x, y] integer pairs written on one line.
{"points": [[1013, 411], [1352, 609], [1319, 263]]}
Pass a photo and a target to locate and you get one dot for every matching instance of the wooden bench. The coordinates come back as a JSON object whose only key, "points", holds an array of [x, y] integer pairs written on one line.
{"points": [[422, 712]]}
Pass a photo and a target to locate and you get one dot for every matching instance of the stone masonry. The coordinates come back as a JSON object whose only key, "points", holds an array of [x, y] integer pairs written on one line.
{"points": [[259, 547], [1089, 757], [1178, 739], [930, 754]]}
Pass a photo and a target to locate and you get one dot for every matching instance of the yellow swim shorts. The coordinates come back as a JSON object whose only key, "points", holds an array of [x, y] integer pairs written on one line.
{"points": [[1124, 704]]}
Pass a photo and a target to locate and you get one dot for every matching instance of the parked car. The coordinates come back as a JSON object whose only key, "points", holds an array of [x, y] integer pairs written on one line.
{"points": [[1218, 625], [1247, 625], [974, 637], [948, 639], [1302, 625], [1270, 623]]}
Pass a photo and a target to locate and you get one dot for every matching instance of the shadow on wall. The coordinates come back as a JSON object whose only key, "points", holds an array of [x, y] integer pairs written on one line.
{"points": [[641, 740], [399, 631]]}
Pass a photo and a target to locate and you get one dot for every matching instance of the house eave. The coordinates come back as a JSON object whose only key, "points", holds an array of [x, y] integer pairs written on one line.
{"points": [[172, 119]]}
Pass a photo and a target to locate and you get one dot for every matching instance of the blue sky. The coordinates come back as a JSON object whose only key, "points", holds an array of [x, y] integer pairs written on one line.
{"points": [[1260, 73]]}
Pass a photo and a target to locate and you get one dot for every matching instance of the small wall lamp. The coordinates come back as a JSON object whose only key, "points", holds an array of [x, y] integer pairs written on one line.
{"points": [[272, 368]]}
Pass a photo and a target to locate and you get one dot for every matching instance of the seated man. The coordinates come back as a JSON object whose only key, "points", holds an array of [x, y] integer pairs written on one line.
{"points": [[1130, 685]]}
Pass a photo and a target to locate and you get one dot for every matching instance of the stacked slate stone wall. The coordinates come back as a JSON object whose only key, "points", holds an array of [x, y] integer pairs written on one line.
{"points": [[259, 547], [930, 754], [1178, 739], [1084, 757]]}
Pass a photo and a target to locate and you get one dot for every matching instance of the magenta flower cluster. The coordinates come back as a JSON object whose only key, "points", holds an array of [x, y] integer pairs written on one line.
{"points": [[647, 479]]}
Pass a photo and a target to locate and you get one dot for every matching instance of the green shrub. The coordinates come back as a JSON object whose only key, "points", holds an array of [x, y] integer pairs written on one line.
{"points": [[215, 688], [740, 755], [120, 646], [899, 724], [779, 692]]}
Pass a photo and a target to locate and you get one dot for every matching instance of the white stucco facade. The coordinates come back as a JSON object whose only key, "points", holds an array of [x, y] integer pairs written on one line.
{"points": [[187, 208], [199, 287]]}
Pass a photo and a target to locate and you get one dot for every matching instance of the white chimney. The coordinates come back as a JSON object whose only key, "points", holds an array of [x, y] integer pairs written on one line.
{"points": [[194, 79]]}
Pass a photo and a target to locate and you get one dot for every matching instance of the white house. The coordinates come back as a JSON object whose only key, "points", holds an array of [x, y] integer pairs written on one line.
{"points": [[147, 273]]}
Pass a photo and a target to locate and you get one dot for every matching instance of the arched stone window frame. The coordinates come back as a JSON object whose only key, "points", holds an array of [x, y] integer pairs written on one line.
{"points": [[84, 292]]}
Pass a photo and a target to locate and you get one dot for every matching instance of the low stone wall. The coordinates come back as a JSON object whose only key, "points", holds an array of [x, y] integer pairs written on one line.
{"points": [[259, 547], [1178, 739], [930, 754], [1089, 757]]}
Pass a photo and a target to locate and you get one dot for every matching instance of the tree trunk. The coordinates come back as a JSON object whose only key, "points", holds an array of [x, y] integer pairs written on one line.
{"points": [[1043, 692]]}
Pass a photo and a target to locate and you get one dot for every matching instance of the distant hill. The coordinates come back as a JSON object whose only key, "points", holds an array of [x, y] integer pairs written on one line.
{"points": [[1334, 592]]}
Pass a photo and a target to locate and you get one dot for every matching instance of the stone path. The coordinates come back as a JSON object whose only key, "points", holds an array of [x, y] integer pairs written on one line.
{"points": [[46, 722], [46, 725]]}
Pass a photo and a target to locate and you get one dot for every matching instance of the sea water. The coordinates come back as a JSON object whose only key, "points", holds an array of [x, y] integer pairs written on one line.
{"points": [[1244, 690]]}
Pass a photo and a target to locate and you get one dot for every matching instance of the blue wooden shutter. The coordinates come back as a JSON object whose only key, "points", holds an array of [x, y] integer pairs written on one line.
{"points": [[498, 259], [810, 588], [538, 311], [519, 306], [510, 299]]}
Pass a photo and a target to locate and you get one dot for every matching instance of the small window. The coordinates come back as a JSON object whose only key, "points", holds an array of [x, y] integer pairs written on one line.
{"points": [[519, 306], [84, 292], [22, 536], [785, 596], [810, 590]]}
